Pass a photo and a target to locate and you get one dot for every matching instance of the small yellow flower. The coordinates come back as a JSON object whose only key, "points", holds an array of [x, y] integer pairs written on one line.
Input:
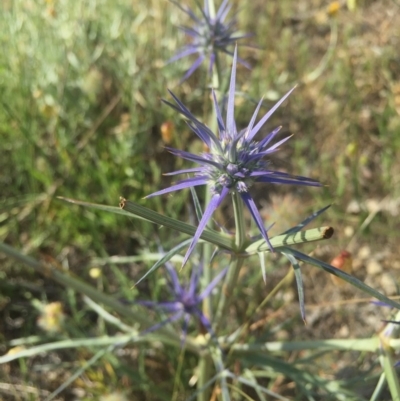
{"points": [[351, 149], [333, 8], [94, 272], [52, 317]]}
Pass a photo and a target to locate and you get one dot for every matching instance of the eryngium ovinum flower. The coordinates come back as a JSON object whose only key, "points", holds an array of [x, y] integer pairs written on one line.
{"points": [[185, 300], [209, 36], [235, 160]]}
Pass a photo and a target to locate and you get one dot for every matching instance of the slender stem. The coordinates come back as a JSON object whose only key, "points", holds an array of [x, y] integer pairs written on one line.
{"points": [[207, 271], [205, 365], [218, 359], [240, 227], [205, 372], [217, 75], [177, 379], [243, 331], [207, 248], [227, 290], [236, 262], [212, 123]]}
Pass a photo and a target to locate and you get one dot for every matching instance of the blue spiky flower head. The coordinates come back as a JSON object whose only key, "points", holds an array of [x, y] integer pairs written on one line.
{"points": [[186, 300], [235, 160], [209, 36]]}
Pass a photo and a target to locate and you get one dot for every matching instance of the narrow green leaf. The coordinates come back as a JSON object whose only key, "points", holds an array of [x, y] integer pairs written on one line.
{"points": [[69, 343], [108, 317], [353, 344], [128, 208], [299, 282], [208, 235], [105, 208], [306, 221], [142, 257], [262, 264], [386, 350], [208, 384], [391, 376], [343, 275], [165, 258], [197, 205], [249, 375], [379, 388], [102, 341]]}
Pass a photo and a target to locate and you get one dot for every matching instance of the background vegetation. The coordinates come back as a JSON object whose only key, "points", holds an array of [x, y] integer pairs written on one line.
{"points": [[81, 117]]}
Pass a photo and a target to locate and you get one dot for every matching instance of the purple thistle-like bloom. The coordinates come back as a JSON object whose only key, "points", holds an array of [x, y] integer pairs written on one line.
{"points": [[185, 302], [209, 36], [235, 161]]}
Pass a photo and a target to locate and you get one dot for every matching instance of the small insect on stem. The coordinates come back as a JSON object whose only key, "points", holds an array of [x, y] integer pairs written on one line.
{"points": [[122, 202]]}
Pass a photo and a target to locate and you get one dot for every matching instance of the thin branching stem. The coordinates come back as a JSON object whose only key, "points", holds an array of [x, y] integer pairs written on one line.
{"points": [[205, 365], [235, 263]]}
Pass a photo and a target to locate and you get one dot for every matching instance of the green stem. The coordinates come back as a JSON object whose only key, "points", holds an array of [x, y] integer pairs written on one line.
{"points": [[236, 262], [207, 271], [205, 365], [227, 290], [207, 248], [240, 236], [205, 372]]}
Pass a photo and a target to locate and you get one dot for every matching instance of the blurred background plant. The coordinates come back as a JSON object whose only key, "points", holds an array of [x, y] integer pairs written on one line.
{"points": [[80, 117]]}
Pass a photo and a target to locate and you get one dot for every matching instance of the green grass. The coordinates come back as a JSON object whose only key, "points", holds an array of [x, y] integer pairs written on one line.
{"points": [[80, 117]]}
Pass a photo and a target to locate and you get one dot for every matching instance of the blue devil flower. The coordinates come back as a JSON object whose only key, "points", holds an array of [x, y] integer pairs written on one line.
{"points": [[234, 162], [209, 36], [186, 301]]}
